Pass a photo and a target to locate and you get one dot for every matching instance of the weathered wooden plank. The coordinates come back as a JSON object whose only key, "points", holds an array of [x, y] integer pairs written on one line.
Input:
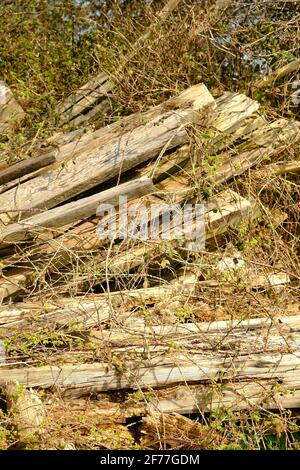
{"points": [[10, 110], [266, 141], [251, 336], [228, 114], [80, 106], [264, 393], [234, 355], [224, 211], [87, 311], [263, 143], [25, 167], [232, 112], [167, 130], [232, 109], [235, 364], [278, 74]]}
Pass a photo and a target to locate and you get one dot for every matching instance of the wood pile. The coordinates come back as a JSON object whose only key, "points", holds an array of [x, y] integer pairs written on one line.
{"points": [[109, 304]]}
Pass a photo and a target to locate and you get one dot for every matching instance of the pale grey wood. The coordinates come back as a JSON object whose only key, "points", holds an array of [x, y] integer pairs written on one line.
{"points": [[265, 142], [10, 110], [86, 311], [231, 112], [167, 130], [161, 370], [259, 358], [232, 109], [81, 312], [75, 211], [261, 394], [231, 209], [2, 352], [26, 411], [281, 72]]}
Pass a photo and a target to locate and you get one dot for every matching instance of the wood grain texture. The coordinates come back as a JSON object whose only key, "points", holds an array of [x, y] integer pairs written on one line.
{"points": [[75, 211], [121, 153], [224, 211], [239, 352], [10, 110], [25, 167]]}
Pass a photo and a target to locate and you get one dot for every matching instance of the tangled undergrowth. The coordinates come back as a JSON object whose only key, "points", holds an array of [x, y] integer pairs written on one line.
{"points": [[49, 49]]}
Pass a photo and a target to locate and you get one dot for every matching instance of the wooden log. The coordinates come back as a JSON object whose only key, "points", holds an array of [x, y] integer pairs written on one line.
{"points": [[167, 130], [62, 138], [261, 393], [16, 182], [278, 169], [227, 210], [25, 167], [250, 336], [87, 311], [240, 355], [228, 116], [75, 211], [263, 143], [10, 111], [183, 399], [67, 240], [224, 211], [232, 109], [47, 156], [27, 411], [173, 431], [293, 66], [91, 310], [234, 119]]}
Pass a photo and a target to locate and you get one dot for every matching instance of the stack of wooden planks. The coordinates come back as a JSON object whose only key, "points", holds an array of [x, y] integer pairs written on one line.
{"points": [[49, 223]]}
